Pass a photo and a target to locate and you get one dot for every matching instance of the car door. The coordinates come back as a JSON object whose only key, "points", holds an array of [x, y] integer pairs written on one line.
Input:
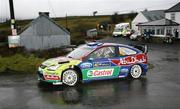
{"points": [[127, 59], [101, 66]]}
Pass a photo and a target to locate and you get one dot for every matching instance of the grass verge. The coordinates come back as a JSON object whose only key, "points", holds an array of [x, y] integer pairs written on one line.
{"points": [[20, 63]]}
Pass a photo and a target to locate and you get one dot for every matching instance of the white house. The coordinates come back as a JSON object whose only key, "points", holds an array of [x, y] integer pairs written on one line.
{"points": [[147, 16], [169, 25], [159, 28], [173, 14]]}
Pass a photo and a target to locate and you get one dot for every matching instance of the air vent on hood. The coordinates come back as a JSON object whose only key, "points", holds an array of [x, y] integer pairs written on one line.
{"points": [[63, 62]]}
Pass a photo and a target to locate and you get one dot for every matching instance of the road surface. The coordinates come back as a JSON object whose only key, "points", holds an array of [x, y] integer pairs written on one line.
{"points": [[158, 90]]}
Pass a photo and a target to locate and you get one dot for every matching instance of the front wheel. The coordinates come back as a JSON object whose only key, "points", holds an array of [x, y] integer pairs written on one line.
{"points": [[70, 77], [136, 71]]}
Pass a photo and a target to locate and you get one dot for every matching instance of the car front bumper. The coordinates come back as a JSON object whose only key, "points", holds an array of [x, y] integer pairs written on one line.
{"points": [[42, 77]]}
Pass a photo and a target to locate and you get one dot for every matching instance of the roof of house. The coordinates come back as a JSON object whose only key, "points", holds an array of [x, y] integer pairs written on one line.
{"points": [[154, 15], [175, 8], [162, 22], [36, 20]]}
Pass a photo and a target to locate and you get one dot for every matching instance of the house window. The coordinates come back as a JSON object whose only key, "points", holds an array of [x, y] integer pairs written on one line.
{"points": [[158, 32], [168, 32], [173, 16], [144, 31], [153, 32], [162, 32]]}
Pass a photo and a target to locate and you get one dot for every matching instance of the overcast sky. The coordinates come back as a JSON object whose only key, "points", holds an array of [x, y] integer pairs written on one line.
{"points": [[26, 9]]}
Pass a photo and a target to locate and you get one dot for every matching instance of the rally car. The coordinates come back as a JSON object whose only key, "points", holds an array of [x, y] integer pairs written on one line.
{"points": [[95, 61]]}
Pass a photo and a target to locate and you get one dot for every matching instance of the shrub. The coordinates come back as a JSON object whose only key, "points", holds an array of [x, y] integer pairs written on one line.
{"points": [[20, 63]]}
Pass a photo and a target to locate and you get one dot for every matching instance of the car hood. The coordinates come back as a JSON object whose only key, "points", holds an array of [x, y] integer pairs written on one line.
{"points": [[56, 61]]}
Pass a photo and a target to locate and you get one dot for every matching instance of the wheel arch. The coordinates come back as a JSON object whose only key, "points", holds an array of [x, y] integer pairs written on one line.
{"points": [[142, 67], [129, 73], [77, 69], [79, 72]]}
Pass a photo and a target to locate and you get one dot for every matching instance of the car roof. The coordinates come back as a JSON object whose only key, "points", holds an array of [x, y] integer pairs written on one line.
{"points": [[100, 44]]}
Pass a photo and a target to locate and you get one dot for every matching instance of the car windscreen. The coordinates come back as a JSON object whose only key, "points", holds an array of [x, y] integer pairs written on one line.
{"points": [[118, 30], [80, 52]]}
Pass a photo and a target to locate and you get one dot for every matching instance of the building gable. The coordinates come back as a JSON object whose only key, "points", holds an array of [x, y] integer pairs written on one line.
{"points": [[175, 8], [44, 26], [140, 18]]}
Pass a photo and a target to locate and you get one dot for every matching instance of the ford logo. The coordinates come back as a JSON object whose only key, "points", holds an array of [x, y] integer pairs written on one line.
{"points": [[86, 65]]}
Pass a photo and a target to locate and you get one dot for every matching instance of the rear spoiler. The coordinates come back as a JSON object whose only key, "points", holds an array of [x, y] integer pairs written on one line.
{"points": [[142, 47]]}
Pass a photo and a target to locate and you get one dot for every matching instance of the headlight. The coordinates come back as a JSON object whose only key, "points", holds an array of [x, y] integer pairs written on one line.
{"points": [[54, 67], [40, 70]]}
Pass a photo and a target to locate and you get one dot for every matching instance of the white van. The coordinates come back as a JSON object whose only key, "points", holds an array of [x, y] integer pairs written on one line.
{"points": [[122, 29]]}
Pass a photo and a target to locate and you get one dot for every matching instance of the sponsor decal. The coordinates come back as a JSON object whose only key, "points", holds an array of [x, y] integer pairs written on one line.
{"points": [[102, 64], [124, 70], [100, 73], [140, 58], [86, 65], [51, 77]]}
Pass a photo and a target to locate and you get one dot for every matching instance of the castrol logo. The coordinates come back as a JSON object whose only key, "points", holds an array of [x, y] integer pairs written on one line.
{"points": [[100, 73]]}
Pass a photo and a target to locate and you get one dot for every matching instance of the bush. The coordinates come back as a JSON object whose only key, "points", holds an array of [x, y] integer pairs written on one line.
{"points": [[20, 63], [78, 41], [81, 28]]}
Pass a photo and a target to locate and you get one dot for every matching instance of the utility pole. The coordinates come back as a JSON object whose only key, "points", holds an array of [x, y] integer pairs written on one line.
{"points": [[66, 21], [12, 17], [13, 40]]}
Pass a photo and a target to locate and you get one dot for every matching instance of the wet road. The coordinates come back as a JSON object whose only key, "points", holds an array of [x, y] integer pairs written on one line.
{"points": [[158, 90]]}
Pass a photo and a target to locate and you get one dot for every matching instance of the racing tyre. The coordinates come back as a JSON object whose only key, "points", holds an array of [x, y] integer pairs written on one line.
{"points": [[70, 77], [136, 71]]}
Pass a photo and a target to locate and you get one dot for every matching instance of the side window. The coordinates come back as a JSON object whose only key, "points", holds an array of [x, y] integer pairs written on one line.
{"points": [[173, 16], [126, 51], [105, 52]]}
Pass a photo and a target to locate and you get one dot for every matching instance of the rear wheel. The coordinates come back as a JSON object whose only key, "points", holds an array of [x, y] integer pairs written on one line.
{"points": [[136, 71], [70, 77]]}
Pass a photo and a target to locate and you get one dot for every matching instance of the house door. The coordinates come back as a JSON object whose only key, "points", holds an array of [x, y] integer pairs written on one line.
{"points": [[176, 34]]}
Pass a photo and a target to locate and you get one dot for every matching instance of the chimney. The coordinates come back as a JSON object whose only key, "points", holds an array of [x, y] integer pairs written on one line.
{"points": [[44, 13]]}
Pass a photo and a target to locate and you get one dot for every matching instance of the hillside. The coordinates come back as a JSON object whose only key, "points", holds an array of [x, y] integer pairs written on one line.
{"points": [[78, 25]]}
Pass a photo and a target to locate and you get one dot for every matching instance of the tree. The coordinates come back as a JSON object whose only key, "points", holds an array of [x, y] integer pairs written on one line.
{"points": [[94, 13], [114, 18]]}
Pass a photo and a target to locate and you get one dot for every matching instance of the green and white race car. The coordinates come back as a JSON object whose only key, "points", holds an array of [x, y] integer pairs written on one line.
{"points": [[95, 61]]}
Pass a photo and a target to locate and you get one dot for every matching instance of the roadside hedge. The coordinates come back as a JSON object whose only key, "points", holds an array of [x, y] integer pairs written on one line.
{"points": [[20, 63]]}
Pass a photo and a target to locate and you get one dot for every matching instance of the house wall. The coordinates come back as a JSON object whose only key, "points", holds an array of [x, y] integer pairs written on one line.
{"points": [[162, 30], [43, 34], [140, 18], [177, 18], [47, 42]]}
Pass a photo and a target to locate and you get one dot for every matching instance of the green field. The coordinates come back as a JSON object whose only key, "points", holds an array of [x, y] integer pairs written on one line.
{"points": [[78, 25]]}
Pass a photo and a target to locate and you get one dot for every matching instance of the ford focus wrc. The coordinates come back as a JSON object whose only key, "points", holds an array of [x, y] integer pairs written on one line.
{"points": [[95, 61]]}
